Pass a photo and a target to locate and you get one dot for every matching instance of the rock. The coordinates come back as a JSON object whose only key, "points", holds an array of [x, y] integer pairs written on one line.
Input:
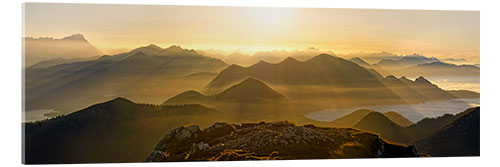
{"points": [[277, 140], [156, 156], [186, 133]]}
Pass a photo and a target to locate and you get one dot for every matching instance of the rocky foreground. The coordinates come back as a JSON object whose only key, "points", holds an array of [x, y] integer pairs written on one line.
{"points": [[272, 141]]}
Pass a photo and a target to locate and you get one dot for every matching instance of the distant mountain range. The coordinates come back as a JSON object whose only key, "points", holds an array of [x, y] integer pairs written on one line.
{"points": [[405, 62], [149, 70], [70, 47], [375, 67], [250, 100], [439, 69], [165, 72], [330, 81], [417, 65], [373, 58], [274, 56], [320, 70]]}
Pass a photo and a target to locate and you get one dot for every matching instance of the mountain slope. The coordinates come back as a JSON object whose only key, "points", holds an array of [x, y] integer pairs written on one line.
{"points": [[460, 138], [405, 62], [96, 134], [386, 128], [359, 61], [350, 119], [464, 94], [378, 123], [40, 49], [398, 119], [57, 61]]}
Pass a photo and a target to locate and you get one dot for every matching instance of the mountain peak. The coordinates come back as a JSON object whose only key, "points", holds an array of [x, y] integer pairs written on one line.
{"points": [[120, 100], [252, 81], [324, 55], [422, 80], [260, 63], [153, 46], [75, 37], [289, 60], [191, 93], [359, 61], [175, 48], [139, 54], [321, 58], [392, 78], [250, 90]]}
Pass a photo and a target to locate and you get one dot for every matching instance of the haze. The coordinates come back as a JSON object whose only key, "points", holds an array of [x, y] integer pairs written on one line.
{"points": [[443, 34]]}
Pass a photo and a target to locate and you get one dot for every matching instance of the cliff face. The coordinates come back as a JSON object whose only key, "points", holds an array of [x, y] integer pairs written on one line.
{"points": [[270, 141]]}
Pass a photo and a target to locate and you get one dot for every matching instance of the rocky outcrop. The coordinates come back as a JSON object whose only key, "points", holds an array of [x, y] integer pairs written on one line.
{"points": [[271, 141]]}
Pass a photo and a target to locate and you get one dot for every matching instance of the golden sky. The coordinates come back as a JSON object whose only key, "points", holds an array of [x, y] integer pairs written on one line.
{"points": [[444, 34]]}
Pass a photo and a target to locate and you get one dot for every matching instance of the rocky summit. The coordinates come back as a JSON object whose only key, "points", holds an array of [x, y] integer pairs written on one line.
{"points": [[272, 141]]}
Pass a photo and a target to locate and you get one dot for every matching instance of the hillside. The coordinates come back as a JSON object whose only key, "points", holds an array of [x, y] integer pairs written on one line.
{"points": [[398, 118], [460, 138], [45, 48], [378, 123], [375, 67], [96, 134], [271, 141]]}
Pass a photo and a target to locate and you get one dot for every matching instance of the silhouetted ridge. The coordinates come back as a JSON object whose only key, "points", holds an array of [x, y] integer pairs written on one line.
{"points": [[359, 61], [261, 63], [459, 138], [120, 100], [191, 93], [75, 37], [174, 48], [422, 80], [249, 90], [153, 46], [290, 60], [378, 123], [398, 119], [323, 57]]}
